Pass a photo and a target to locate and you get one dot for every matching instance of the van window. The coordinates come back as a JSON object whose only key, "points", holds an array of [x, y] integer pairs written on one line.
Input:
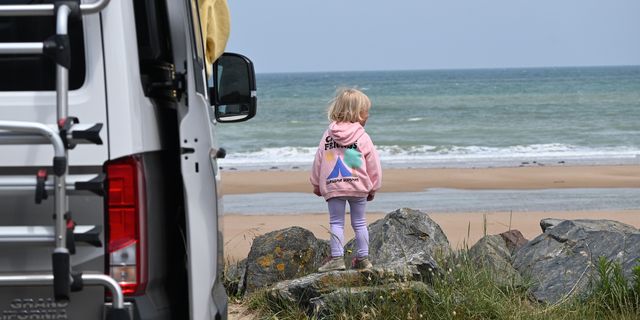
{"points": [[157, 71], [37, 72], [152, 31]]}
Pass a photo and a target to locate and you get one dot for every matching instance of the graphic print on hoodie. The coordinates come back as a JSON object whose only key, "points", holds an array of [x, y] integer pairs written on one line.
{"points": [[346, 163], [341, 168]]}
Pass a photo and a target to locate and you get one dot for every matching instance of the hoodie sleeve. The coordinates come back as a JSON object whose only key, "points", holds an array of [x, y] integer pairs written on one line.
{"points": [[317, 164], [374, 169], [315, 169]]}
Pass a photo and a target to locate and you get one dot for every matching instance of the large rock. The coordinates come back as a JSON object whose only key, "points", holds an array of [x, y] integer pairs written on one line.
{"points": [[303, 289], [562, 260], [405, 237], [492, 253], [283, 254], [514, 240], [363, 296], [549, 223], [318, 291]]}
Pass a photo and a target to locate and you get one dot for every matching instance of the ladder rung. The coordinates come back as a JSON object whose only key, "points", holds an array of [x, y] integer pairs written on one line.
{"points": [[89, 279], [24, 183], [80, 133], [21, 48], [46, 234], [17, 10]]}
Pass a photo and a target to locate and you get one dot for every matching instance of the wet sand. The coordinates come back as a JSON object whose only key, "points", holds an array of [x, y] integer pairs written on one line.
{"points": [[409, 180]]}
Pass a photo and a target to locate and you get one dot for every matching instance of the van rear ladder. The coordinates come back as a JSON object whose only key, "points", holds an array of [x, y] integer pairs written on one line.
{"points": [[63, 136]]}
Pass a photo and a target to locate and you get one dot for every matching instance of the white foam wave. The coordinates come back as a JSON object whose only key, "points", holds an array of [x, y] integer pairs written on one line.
{"points": [[427, 155], [268, 156]]}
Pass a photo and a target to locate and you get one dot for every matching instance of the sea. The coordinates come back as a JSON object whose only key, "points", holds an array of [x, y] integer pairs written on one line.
{"points": [[477, 118], [450, 118]]}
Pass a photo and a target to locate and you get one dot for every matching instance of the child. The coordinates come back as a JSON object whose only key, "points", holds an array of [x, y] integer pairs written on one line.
{"points": [[347, 169]]}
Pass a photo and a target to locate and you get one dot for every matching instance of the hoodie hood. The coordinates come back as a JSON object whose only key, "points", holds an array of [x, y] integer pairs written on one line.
{"points": [[345, 133]]}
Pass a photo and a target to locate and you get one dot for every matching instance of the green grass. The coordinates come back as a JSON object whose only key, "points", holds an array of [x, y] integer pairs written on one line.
{"points": [[614, 294], [462, 290]]}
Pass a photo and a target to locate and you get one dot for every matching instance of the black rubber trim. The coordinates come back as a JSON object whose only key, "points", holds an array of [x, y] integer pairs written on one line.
{"points": [[32, 170], [77, 284], [184, 150], [96, 185], [61, 281], [58, 49], [59, 165], [104, 81], [92, 134], [117, 314], [70, 241], [91, 237], [41, 191], [64, 126]]}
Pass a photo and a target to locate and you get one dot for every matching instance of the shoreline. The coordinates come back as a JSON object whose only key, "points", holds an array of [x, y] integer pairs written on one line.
{"points": [[420, 179], [462, 229], [301, 159]]}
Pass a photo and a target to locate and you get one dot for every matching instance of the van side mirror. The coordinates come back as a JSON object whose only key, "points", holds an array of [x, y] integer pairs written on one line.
{"points": [[233, 94]]}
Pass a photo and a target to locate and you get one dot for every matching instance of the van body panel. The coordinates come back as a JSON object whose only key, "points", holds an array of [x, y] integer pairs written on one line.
{"points": [[36, 303], [86, 103], [21, 210], [198, 168], [132, 118]]}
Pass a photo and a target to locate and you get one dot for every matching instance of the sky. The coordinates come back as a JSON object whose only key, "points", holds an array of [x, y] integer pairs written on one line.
{"points": [[363, 35]]}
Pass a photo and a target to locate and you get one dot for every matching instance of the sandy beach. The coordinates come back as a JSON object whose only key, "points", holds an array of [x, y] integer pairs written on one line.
{"points": [[407, 180], [461, 228]]}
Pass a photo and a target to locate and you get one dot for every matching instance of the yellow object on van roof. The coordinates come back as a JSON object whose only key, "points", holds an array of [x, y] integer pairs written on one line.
{"points": [[215, 24]]}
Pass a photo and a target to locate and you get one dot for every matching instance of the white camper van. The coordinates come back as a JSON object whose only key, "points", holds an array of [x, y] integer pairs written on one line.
{"points": [[109, 201]]}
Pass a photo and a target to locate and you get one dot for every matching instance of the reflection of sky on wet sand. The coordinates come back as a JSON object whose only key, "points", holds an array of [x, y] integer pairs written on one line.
{"points": [[447, 200]]}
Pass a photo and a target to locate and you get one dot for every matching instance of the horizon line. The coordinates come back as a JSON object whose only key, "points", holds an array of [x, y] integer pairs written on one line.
{"points": [[453, 69]]}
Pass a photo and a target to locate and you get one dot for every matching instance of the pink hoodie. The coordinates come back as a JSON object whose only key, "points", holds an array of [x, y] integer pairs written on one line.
{"points": [[346, 163]]}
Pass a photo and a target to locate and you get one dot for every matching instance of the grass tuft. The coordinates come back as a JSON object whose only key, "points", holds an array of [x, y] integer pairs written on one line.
{"points": [[463, 290]]}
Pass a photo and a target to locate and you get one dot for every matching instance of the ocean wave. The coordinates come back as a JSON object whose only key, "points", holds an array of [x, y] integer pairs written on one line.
{"points": [[427, 155]]}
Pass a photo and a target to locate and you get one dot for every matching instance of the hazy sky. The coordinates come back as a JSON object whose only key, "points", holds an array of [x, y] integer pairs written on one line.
{"points": [[341, 35]]}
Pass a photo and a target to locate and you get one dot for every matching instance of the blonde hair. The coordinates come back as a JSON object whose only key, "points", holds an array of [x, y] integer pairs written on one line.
{"points": [[348, 105]]}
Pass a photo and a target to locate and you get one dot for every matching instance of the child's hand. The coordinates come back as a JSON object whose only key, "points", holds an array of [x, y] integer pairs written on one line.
{"points": [[371, 196], [316, 191]]}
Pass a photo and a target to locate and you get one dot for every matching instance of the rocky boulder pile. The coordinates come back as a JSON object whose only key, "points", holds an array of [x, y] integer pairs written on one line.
{"points": [[406, 247]]}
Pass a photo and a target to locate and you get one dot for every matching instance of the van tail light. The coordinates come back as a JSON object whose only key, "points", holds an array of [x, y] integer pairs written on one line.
{"points": [[126, 243]]}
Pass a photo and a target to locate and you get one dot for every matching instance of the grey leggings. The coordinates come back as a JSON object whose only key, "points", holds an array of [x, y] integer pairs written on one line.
{"points": [[358, 222]]}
